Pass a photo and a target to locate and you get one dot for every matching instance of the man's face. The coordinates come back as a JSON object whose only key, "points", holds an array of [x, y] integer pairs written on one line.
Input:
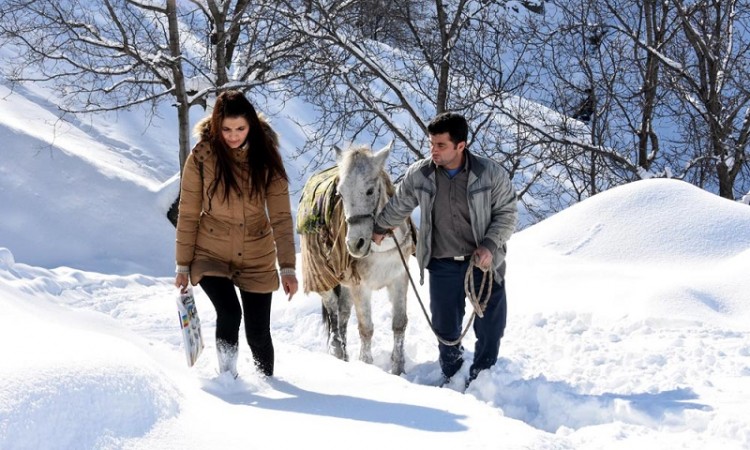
{"points": [[445, 153]]}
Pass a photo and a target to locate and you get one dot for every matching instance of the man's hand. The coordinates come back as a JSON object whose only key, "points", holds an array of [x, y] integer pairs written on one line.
{"points": [[289, 283], [377, 238], [483, 258]]}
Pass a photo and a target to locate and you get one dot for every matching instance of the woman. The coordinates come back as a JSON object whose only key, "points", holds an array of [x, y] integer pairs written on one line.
{"points": [[234, 224]]}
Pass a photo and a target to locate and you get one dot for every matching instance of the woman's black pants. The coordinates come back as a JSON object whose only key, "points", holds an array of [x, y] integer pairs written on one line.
{"points": [[257, 313]]}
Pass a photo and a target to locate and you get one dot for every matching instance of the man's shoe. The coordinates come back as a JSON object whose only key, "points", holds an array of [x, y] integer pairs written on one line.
{"points": [[473, 373]]}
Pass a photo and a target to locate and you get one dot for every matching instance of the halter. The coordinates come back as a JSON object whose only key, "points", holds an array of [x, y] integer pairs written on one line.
{"points": [[360, 217], [351, 220]]}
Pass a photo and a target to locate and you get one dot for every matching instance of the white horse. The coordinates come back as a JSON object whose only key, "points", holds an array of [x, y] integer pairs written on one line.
{"points": [[339, 259]]}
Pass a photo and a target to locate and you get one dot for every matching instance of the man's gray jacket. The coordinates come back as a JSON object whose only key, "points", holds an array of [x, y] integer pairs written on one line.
{"points": [[492, 206]]}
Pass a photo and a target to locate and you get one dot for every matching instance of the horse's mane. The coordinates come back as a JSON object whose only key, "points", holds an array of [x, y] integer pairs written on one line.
{"points": [[357, 152], [353, 154]]}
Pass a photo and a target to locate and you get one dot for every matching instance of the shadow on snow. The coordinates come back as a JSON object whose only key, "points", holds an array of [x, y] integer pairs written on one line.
{"points": [[549, 405], [342, 406]]}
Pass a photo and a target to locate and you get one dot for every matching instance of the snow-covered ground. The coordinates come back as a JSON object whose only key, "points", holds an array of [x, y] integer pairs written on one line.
{"points": [[628, 324]]}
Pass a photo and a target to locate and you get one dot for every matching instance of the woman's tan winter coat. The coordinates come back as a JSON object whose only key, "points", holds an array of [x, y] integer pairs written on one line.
{"points": [[240, 239]]}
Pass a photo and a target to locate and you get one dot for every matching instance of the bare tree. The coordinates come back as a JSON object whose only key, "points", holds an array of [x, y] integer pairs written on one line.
{"points": [[567, 115], [641, 91], [695, 77], [102, 56], [572, 97], [709, 77], [115, 54], [437, 56]]}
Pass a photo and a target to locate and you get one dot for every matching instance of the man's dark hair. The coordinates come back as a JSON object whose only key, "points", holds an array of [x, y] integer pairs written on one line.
{"points": [[452, 123]]}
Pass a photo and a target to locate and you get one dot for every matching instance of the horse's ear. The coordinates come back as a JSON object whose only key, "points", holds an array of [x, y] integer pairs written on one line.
{"points": [[339, 153], [382, 154]]}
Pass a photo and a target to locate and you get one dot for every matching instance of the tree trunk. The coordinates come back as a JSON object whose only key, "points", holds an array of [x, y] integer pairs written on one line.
{"points": [[182, 103], [647, 138], [441, 102], [219, 41]]}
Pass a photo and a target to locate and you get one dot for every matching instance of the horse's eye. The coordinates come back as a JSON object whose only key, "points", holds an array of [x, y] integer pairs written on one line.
{"points": [[370, 191]]}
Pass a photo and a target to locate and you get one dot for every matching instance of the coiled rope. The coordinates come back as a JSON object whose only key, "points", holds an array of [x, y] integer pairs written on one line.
{"points": [[475, 298]]}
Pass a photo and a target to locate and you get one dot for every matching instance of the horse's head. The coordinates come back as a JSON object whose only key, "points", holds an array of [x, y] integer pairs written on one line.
{"points": [[362, 192]]}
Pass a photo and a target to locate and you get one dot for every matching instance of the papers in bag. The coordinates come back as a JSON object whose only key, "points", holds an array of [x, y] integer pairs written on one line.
{"points": [[191, 326]]}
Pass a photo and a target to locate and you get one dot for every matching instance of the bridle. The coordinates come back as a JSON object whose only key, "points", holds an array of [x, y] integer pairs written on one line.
{"points": [[360, 217], [357, 218], [351, 220]]}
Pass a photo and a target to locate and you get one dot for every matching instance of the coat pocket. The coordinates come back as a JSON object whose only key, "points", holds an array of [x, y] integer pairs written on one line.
{"points": [[212, 228], [260, 249], [213, 237]]}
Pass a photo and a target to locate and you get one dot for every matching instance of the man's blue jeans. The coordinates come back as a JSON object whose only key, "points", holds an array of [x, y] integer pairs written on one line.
{"points": [[447, 303]]}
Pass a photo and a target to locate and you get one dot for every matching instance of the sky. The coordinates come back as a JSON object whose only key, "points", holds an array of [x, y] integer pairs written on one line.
{"points": [[627, 327]]}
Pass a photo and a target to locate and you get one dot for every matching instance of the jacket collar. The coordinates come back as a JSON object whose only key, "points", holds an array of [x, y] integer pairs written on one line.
{"points": [[476, 166]]}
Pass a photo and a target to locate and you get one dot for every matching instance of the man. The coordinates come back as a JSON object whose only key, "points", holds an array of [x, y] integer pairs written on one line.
{"points": [[468, 211]]}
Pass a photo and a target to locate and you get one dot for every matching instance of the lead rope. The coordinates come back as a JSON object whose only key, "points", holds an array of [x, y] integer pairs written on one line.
{"points": [[479, 306]]}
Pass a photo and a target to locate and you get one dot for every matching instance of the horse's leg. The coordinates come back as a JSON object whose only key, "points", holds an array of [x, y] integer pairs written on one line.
{"points": [[361, 296], [332, 317], [344, 303], [397, 295]]}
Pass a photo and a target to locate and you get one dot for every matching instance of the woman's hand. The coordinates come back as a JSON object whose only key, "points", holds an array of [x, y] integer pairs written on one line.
{"points": [[289, 283], [181, 281]]}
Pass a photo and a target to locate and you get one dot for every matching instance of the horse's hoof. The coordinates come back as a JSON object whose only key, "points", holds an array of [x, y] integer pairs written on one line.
{"points": [[339, 353], [397, 367], [337, 348]]}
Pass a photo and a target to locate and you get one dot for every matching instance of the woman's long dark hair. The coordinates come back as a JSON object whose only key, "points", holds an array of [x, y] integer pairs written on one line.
{"points": [[263, 155]]}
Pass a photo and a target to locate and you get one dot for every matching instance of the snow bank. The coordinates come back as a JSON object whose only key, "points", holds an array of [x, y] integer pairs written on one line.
{"points": [[653, 248], [67, 383], [647, 221], [74, 214]]}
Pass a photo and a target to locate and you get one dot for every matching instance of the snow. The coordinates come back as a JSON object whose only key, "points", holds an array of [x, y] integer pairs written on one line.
{"points": [[627, 328]]}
